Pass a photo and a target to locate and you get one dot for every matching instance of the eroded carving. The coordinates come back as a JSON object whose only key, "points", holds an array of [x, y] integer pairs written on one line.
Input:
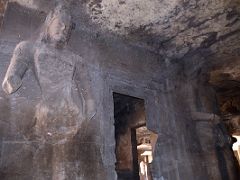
{"points": [[66, 93], [67, 100]]}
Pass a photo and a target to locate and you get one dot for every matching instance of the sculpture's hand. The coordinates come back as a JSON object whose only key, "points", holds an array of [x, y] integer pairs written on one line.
{"points": [[11, 84]]}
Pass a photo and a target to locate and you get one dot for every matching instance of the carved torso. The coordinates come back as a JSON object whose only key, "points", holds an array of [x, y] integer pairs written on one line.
{"points": [[57, 113], [54, 69]]}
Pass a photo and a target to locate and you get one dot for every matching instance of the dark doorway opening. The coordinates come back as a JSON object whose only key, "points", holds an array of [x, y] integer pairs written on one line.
{"points": [[134, 142]]}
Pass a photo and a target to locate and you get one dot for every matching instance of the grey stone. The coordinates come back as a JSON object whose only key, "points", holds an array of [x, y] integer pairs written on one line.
{"points": [[56, 104]]}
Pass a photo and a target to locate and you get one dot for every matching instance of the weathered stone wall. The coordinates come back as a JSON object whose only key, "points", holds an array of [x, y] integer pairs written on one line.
{"points": [[185, 149]]}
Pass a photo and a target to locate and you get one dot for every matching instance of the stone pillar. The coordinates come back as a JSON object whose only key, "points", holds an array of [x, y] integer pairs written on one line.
{"points": [[215, 141]]}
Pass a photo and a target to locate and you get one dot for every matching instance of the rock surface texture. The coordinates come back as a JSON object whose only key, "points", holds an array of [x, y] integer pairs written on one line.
{"points": [[173, 28], [61, 61]]}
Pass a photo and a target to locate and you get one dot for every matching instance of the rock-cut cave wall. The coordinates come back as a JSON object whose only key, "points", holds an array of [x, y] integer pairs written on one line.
{"points": [[58, 123]]}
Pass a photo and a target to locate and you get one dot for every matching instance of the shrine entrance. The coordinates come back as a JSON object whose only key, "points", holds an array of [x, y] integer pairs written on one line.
{"points": [[134, 142]]}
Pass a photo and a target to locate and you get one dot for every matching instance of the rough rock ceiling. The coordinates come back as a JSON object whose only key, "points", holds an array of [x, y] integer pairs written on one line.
{"points": [[125, 17], [171, 28]]}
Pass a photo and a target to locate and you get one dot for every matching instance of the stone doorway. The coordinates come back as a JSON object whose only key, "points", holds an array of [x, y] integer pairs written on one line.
{"points": [[134, 142]]}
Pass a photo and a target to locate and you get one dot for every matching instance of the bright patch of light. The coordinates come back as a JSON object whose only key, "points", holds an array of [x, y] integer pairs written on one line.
{"points": [[236, 144]]}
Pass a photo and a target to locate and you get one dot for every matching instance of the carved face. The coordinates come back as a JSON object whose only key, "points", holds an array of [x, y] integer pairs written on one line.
{"points": [[59, 31]]}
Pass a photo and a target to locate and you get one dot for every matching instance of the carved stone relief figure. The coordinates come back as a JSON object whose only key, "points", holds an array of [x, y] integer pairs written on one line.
{"points": [[67, 100], [56, 69]]}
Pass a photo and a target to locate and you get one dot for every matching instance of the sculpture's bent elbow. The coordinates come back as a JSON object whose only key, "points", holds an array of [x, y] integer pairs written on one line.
{"points": [[18, 66], [11, 84]]}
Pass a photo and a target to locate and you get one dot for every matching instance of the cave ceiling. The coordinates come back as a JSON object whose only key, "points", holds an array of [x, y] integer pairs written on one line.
{"points": [[174, 29]]}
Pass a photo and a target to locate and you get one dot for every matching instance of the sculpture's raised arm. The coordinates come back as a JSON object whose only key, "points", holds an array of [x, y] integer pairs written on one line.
{"points": [[21, 59]]}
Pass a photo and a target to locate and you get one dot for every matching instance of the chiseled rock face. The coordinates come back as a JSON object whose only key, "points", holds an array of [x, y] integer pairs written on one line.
{"points": [[172, 28], [226, 80], [175, 27], [2, 9], [125, 16], [116, 41], [43, 5]]}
